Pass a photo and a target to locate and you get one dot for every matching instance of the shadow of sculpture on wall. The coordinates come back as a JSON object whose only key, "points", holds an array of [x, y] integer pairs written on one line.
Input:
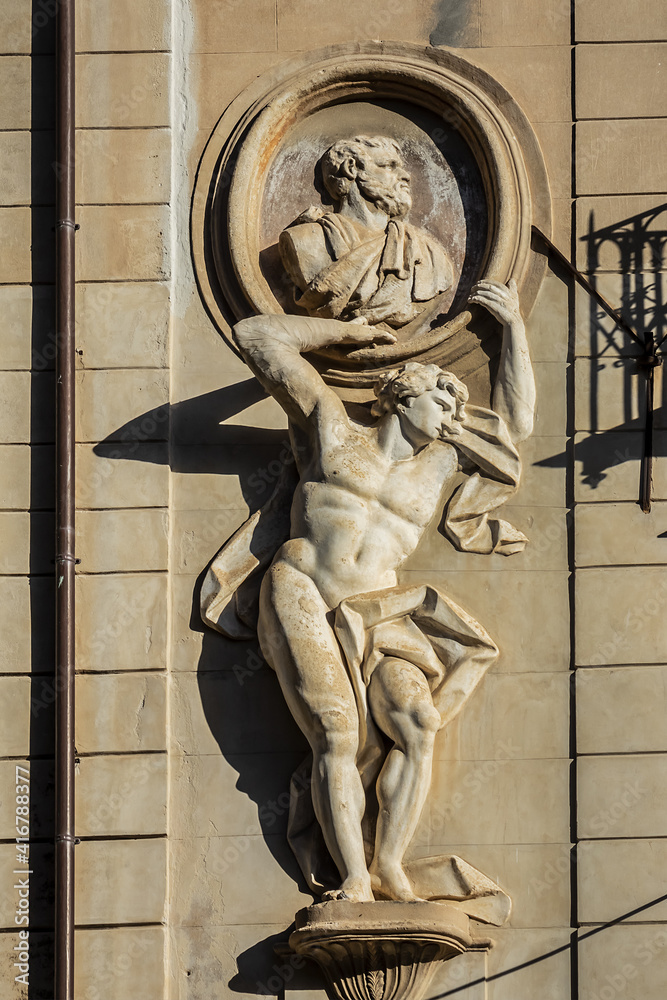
{"points": [[240, 696], [630, 254]]}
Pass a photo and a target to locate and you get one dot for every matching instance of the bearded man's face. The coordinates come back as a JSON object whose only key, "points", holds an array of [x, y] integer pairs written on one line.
{"points": [[385, 181]]}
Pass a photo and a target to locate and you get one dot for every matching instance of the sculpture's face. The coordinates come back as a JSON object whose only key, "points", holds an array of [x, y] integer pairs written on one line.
{"points": [[384, 181], [429, 416]]}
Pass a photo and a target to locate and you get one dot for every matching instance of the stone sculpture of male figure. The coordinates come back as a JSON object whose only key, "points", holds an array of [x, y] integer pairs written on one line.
{"points": [[358, 654], [364, 262]]}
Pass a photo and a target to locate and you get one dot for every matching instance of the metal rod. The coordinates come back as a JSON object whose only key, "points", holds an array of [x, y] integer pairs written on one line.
{"points": [[646, 468], [65, 504], [650, 360], [585, 284]]}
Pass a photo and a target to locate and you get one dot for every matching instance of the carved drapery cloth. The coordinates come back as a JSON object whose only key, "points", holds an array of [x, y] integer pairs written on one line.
{"points": [[385, 278]]}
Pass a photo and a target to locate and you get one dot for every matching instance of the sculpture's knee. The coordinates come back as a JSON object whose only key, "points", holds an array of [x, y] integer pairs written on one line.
{"points": [[336, 735], [420, 724]]}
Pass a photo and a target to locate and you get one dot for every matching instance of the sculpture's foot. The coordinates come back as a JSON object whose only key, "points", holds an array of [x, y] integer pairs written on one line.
{"points": [[391, 882], [357, 890]]}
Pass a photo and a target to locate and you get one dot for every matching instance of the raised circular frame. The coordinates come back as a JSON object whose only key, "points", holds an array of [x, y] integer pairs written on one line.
{"points": [[229, 190]]}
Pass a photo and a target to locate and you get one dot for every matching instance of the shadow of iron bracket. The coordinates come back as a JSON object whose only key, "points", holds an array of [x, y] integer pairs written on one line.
{"points": [[649, 361]]}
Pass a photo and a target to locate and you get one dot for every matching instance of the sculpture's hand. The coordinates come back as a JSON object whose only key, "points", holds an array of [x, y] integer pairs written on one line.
{"points": [[514, 391], [361, 333], [502, 301]]}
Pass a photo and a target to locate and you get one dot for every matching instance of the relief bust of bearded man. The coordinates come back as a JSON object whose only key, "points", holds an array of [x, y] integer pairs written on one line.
{"points": [[363, 263], [372, 666]]}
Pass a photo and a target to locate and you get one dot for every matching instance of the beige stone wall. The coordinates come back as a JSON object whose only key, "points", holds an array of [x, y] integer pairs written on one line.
{"points": [[184, 879], [619, 632]]}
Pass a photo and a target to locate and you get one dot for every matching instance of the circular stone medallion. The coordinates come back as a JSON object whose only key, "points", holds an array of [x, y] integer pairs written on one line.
{"points": [[478, 182]]}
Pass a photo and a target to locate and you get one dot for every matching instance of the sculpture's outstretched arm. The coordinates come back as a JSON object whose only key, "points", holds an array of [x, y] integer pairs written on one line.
{"points": [[514, 390], [272, 347]]}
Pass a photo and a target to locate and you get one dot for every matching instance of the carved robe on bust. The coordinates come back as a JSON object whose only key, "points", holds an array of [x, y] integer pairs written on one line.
{"points": [[341, 270]]}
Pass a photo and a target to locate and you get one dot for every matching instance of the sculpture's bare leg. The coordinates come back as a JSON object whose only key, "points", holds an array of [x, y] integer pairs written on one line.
{"points": [[298, 642], [402, 706]]}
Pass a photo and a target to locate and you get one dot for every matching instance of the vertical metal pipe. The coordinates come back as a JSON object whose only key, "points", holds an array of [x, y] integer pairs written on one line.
{"points": [[65, 503]]}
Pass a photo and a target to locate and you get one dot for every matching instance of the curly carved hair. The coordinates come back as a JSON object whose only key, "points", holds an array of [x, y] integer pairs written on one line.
{"points": [[358, 148], [412, 380]]}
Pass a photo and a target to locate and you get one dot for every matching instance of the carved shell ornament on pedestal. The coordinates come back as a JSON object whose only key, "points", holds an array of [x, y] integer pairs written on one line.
{"points": [[478, 183]]}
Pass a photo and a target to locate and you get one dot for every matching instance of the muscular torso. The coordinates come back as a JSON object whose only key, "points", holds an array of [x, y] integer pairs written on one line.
{"points": [[357, 515]]}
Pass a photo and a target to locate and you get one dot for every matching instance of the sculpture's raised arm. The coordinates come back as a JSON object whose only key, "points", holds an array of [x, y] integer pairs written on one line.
{"points": [[514, 389], [272, 347]]}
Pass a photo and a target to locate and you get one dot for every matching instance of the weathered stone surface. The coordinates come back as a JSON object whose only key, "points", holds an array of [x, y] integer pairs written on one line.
{"points": [[117, 166], [122, 243], [511, 968], [26, 624], [14, 612], [547, 324], [15, 26], [14, 542], [616, 876], [527, 711], [596, 333], [602, 166], [15, 709], [609, 395], [231, 864], [125, 406], [15, 261], [124, 474], [232, 26], [251, 794], [14, 407], [23, 306], [619, 615], [122, 621], [15, 180], [219, 77], [122, 27], [614, 20], [539, 80], [616, 534], [41, 796], [123, 713], [121, 795], [618, 214], [621, 796], [15, 482], [608, 465], [544, 526], [630, 960], [122, 540], [119, 962], [304, 24], [621, 81], [15, 85], [219, 953], [515, 24], [621, 709], [121, 881], [199, 534], [122, 90], [556, 142], [505, 800], [122, 325]]}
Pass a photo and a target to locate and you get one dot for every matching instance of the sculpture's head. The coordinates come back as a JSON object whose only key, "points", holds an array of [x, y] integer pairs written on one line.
{"points": [[429, 402], [375, 165]]}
